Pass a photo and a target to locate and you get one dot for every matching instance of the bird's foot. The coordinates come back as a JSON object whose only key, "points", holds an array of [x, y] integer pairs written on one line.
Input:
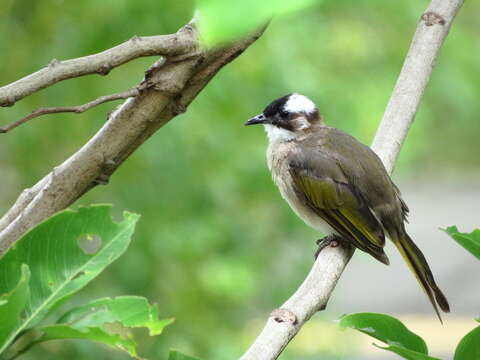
{"points": [[332, 240]]}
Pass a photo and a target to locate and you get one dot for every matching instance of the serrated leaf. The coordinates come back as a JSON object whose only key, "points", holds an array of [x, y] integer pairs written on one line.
{"points": [[387, 329], [176, 355], [470, 241], [107, 321], [64, 254], [12, 304], [221, 20], [469, 347]]}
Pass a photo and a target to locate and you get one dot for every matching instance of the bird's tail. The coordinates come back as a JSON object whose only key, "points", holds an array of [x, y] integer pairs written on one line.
{"points": [[419, 266]]}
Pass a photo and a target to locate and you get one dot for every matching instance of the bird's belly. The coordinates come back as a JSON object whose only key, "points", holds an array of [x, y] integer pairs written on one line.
{"points": [[301, 210]]}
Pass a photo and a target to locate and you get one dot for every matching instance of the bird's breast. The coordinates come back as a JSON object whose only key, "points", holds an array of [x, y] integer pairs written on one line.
{"points": [[277, 159]]}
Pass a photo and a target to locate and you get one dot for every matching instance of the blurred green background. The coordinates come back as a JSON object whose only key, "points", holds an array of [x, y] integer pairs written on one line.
{"points": [[216, 246]]}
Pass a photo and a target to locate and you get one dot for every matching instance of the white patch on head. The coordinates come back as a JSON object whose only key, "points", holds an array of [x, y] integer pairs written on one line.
{"points": [[299, 103], [275, 133]]}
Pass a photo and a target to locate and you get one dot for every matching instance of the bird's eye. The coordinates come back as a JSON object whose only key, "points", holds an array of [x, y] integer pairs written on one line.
{"points": [[283, 113]]}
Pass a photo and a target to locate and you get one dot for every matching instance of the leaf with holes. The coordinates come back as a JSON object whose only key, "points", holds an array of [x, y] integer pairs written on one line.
{"points": [[391, 331], [107, 321], [471, 242], [64, 254]]}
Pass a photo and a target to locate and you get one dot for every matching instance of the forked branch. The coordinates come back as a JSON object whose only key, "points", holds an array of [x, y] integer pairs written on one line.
{"points": [[170, 85], [75, 109], [101, 63]]}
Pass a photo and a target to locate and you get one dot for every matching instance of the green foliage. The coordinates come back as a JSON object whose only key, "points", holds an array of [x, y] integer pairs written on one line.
{"points": [[107, 321], [64, 253], [221, 21], [391, 331], [471, 241], [469, 347], [402, 341], [59, 258], [175, 355], [12, 304], [405, 353], [209, 210], [130, 311]]}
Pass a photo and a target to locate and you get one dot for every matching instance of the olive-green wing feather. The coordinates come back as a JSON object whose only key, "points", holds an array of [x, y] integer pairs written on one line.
{"points": [[321, 183], [361, 171]]}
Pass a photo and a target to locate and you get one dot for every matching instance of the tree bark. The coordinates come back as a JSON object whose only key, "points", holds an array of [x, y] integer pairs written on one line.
{"points": [[170, 85], [101, 63]]}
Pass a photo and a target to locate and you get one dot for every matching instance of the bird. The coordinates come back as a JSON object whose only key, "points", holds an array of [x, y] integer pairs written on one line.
{"points": [[339, 186]]}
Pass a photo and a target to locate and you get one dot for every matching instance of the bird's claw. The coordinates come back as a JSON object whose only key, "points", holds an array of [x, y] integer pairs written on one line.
{"points": [[330, 240]]}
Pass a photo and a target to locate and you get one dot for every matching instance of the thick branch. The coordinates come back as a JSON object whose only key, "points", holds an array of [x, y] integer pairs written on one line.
{"points": [[170, 85], [315, 291], [75, 109], [417, 68], [101, 63]]}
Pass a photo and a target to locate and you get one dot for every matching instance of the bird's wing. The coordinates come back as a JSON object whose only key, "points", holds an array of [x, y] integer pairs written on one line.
{"points": [[346, 183], [322, 184], [363, 168]]}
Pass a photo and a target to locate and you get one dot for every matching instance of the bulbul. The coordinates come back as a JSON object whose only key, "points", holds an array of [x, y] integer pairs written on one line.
{"points": [[339, 186]]}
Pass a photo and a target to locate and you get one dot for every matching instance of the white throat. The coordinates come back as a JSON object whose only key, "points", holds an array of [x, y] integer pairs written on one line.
{"points": [[275, 133]]}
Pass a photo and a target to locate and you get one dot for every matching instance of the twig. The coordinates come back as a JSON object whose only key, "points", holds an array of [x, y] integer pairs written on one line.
{"points": [[170, 86], [315, 291], [101, 63], [75, 109]]}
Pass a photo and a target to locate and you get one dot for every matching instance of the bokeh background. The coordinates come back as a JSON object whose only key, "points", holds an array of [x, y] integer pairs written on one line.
{"points": [[216, 246]]}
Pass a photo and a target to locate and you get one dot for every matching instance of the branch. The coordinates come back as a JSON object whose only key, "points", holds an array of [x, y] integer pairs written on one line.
{"points": [[75, 109], [417, 68], [170, 85], [312, 296], [101, 63]]}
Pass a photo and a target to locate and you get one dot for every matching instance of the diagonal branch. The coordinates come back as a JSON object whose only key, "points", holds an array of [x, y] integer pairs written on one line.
{"points": [[170, 85], [135, 91], [101, 63], [313, 294]]}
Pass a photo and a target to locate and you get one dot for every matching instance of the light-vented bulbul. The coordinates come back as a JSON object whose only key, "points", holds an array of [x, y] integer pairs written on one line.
{"points": [[339, 186]]}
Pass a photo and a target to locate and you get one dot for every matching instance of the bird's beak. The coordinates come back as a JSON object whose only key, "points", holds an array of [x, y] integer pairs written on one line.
{"points": [[259, 119]]}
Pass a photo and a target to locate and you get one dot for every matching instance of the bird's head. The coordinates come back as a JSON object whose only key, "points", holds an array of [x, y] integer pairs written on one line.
{"points": [[288, 117]]}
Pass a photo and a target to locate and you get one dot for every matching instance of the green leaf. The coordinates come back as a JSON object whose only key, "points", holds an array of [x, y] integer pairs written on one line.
{"points": [[107, 321], [62, 331], [64, 254], [405, 353], [130, 311], [175, 355], [471, 242], [221, 20], [389, 330], [12, 304], [469, 347]]}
